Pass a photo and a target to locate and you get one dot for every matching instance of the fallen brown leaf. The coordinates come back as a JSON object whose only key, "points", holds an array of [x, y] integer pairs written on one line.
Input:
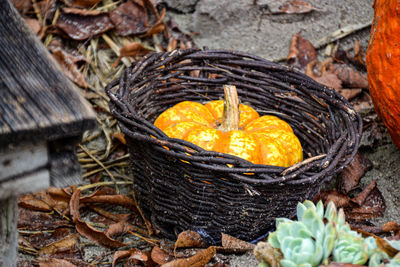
{"points": [[33, 24], [33, 202], [350, 94], [325, 77], [296, 7], [121, 228], [82, 3], [67, 63], [120, 200], [65, 244], [158, 26], [120, 137], [301, 52], [374, 206], [54, 262], [339, 199], [232, 244], [352, 174], [81, 24], [200, 259], [23, 6], [349, 76], [133, 253], [361, 197], [386, 247], [160, 256], [130, 18], [109, 215], [35, 220], [188, 239], [391, 227], [86, 230], [132, 49]]}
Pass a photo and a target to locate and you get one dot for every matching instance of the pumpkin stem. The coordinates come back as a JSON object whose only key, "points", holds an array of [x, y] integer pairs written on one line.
{"points": [[230, 117]]}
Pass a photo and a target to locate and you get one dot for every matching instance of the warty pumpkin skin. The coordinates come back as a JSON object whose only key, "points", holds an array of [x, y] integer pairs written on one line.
{"points": [[261, 140], [383, 64]]}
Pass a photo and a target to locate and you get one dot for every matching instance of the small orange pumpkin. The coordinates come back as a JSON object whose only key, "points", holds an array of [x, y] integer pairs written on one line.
{"points": [[383, 64], [227, 127]]}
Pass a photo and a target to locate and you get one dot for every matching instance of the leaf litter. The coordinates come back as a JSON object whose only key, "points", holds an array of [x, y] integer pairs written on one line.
{"points": [[93, 42]]}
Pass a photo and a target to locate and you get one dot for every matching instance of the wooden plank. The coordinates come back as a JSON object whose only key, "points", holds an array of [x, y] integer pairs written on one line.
{"points": [[8, 231], [28, 183], [65, 169], [19, 159], [37, 101]]}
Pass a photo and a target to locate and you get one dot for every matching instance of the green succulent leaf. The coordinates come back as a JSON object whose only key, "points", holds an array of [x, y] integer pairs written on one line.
{"points": [[301, 208], [320, 209], [288, 263], [273, 240], [330, 212], [314, 222], [329, 239]]}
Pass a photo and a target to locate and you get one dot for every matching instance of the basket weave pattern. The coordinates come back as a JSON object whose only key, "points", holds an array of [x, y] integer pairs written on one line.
{"points": [[181, 186]]}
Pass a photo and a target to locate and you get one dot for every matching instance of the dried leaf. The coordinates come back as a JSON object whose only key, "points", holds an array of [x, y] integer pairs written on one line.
{"points": [[120, 229], [301, 52], [326, 78], [352, 174], [33, 202], [86, 230], [200, 259], [81, 24], [159, 256], [54, 262], [67, 64], [36, 220], [339, 199], [360, 198], [374, 206], [120, 200], [350, 94], [158, 26], [130, 18], [234, 245], [391, 227], [109, 215], [23, 6], [133, 253], [82, 3], [65, 244], [120, 137], [33, 24], [265, 252], [132, 49], [296, 7], [349, 76], [386, 247], [189, 239]]}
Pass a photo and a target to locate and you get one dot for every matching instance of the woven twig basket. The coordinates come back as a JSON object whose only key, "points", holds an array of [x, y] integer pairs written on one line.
{"points": [[185, 187]]}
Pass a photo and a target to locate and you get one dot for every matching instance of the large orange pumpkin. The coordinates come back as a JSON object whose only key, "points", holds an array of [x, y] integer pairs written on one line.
{"points": [[383, 64], [234, 129]]}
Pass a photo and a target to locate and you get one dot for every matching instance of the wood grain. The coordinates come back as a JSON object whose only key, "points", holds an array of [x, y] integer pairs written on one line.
{"points": [[37, 102]]}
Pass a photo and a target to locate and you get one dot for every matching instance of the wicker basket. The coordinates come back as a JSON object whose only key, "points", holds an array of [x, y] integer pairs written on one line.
{"points": [[185, 187]]}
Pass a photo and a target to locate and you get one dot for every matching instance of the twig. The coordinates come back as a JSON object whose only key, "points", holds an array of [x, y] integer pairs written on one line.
{"points": [[100, 163], [90, 186]]}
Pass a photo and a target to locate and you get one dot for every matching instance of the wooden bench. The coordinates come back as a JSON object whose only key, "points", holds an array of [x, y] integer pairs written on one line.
{"points": [[42, 118]]}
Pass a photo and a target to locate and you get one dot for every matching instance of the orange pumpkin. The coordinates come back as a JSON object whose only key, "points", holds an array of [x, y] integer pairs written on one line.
{"points": [[234, 129], [383, 64]]}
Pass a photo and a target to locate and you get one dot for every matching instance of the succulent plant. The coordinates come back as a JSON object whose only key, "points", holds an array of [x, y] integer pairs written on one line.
{"points": [[308, 241], [350, 248], [320, 234]]}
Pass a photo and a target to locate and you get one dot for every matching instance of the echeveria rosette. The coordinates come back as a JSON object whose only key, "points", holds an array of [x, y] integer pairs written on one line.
{"points": [[306, 242], [350, 248]]}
